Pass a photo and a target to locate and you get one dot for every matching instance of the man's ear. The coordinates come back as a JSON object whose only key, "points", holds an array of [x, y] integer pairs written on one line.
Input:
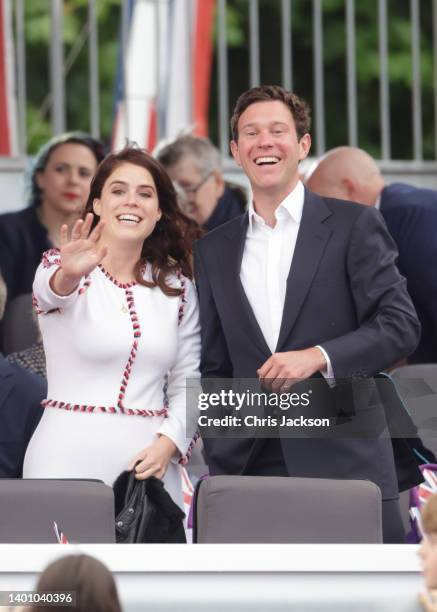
{"points": [[304, 146], [219, 183], [234, 151], [97, 207], [351, 189]]}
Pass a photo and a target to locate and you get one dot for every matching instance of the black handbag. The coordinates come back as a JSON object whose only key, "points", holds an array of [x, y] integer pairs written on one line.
{"points": [[145, 513]]}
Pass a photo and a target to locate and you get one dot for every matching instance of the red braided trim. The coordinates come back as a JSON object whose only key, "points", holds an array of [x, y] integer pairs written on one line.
{"points": [[85, 285], [185, 458], [35, 305], [133, 353], [50, 258], [49, 403], [115, 281], [39, 310], [182, 298]]}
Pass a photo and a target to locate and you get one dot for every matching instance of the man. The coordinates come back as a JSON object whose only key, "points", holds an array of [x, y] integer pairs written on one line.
{"points": [[300, 286], [411, 217], [194, 165], [20, 409]]}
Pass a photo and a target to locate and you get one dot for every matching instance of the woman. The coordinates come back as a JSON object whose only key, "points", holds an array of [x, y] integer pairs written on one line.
{"points": [[119, 320], [59, 187]]}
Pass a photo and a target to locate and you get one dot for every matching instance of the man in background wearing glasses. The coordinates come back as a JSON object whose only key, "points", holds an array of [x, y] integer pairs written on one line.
{"points": [[194, 166]]}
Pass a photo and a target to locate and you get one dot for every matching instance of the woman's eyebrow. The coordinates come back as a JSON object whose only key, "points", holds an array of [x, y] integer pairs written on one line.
{"points": [[124, 183]]}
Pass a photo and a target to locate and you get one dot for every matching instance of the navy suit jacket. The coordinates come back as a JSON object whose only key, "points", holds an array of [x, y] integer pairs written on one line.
{"points": [[345, 293], [411, 217], [20, 411]]}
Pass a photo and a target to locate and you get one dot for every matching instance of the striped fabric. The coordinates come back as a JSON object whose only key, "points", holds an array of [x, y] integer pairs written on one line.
{"points": [[163, 77]]}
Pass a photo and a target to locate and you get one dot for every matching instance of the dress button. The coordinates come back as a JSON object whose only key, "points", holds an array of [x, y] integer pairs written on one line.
{"points": [[119, 523]]}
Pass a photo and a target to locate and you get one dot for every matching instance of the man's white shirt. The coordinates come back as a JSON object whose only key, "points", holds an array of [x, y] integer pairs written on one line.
{"points": [[267, 257]]}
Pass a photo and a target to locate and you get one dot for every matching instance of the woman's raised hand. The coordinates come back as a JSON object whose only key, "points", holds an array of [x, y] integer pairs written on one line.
{"points": [[80, 254]]}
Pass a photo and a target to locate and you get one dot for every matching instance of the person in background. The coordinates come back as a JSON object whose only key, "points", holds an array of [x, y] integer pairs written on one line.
{"points": [[410, 213], [59, 186], [91, 582], [194, 165], [32, 359], [428, 554], [21, 394]]}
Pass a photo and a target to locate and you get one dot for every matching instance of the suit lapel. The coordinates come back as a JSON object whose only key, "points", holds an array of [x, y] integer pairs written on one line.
{"points": [[231, 262], [311, 242]]}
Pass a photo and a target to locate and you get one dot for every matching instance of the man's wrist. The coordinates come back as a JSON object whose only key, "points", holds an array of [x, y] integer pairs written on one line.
{"points": [[322, 364]]}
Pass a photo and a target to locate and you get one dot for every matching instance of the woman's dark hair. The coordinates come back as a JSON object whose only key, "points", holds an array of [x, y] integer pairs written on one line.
{"points": [[169, 247], [96, 147], [91, 581]]}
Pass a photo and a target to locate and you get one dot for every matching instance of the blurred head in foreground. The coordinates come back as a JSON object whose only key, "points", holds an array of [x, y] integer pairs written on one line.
{"points": [[428, 546], [91, 581]]}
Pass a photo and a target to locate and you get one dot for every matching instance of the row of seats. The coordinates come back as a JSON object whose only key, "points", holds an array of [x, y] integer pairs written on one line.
{"points": [[229, 509]]}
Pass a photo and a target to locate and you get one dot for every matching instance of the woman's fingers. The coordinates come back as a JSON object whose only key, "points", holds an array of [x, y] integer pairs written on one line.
{"points": [[145, 469], [86, 226], [148, 473], [97, 232], [64, 234], [76, 231], [139, 457]]}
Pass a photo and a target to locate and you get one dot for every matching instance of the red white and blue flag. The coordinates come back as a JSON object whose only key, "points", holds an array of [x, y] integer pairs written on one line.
{"points": [[8, 105], [164, 74], [60, 536]]}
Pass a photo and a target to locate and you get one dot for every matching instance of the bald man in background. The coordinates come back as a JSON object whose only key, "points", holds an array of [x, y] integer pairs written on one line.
{"points": [[410, 213]]}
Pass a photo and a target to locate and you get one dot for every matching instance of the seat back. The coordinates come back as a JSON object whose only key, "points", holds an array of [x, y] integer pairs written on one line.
{"points": [[417, 385], [82, 509], [264, 509]]}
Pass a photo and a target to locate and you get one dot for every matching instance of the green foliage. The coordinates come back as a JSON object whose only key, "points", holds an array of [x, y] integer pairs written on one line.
{"points": [[334, 66], [38, 30]]}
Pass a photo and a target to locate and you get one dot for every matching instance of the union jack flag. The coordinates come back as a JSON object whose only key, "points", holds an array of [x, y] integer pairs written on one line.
{"points": [[62, 539]]}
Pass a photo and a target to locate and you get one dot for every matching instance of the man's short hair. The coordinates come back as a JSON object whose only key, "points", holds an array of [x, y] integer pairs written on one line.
{"points": [[429, 515], [205, 155], [266, 93]]}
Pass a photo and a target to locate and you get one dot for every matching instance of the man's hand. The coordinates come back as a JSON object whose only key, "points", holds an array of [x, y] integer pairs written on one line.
{"points": [[281, 369], [154, 459]]}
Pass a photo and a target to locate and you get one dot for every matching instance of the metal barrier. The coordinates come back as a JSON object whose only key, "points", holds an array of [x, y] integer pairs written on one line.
{"points": [[56, 99]]}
